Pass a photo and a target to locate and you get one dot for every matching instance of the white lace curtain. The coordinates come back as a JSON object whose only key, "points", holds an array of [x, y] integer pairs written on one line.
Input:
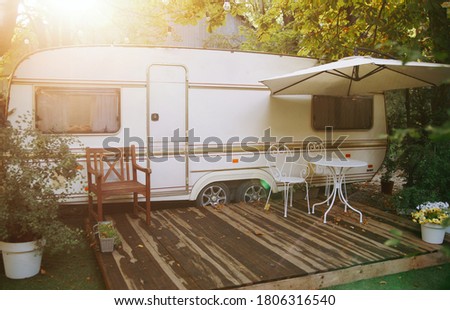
{"points": [[77, 111]]}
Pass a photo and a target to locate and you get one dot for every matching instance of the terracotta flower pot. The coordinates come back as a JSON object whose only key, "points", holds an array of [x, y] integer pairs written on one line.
{"points": [[387, 187]]}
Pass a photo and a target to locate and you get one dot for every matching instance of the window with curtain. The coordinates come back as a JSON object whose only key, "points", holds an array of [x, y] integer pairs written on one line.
{"points": [[342, 113], [78, 110]]}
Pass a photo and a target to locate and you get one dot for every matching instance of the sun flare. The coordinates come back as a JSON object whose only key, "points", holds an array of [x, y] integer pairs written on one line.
{"points": [[81, 12], [75, 6]]}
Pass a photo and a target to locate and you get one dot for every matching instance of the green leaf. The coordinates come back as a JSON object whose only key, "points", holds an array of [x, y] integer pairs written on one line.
{"points": [[396, 232], [392, 242]]}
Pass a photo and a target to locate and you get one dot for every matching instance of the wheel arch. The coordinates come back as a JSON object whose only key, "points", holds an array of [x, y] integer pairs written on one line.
{"points": [[232, 175]]}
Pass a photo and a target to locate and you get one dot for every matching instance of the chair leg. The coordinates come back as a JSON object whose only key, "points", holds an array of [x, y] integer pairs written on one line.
{"points": [[99, 208], [286, 197], [344, 189], [90, 205], [307, 197], [147, 209], [268, 196], [327, 188], [135, 203], [292, 195]]}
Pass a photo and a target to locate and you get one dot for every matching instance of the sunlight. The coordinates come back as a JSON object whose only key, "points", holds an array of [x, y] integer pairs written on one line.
{"points": [[75, 6], [93, 12]]}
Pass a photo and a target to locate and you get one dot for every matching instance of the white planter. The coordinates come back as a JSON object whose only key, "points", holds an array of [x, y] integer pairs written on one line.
{"points": [[106, 244], [21, 260], [433, 233]]}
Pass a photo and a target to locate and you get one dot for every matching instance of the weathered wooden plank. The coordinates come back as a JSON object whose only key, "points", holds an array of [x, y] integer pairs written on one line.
{"points": [[377, 232], [381, 226], [108, 266], [219, 242], [270, 236], [230, 247], [277, 237], [354, 273], [136, 262], [244, 246], [110, 271], [183, 247], [370, 236], [172, 268], [346, 243], [241, 245]]}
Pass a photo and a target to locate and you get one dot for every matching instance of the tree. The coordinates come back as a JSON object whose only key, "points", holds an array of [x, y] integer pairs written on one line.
{"points": [[8, 13], [331, 29], [324, 29]]}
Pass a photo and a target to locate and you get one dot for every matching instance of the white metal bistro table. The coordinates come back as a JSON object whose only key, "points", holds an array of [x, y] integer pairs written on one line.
{"points": [[338, 168]]}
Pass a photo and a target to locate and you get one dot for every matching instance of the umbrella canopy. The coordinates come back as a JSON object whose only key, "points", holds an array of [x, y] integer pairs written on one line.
{"points": [[358, 75]]}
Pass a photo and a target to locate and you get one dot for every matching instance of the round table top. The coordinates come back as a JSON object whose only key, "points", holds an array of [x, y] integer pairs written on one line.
{"points": [[341, 163]]}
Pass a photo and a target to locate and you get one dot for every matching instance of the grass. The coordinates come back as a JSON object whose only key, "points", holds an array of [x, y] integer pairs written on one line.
{"points": [[431, 278], [72, 271], [76, 270]]}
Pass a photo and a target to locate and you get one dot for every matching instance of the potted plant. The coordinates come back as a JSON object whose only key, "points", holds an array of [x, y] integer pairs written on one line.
{"points": [[36, 171], [433, 218], [107, 235], [389, 166]]}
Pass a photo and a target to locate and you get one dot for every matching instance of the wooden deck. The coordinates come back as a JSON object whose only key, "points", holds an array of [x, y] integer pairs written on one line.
{"points": [[243, 246]]}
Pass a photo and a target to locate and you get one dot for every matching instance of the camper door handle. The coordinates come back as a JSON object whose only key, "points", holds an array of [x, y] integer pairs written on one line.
{"points": [[154, 117]]}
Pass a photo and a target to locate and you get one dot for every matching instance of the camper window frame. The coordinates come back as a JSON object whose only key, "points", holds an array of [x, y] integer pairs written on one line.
{"points": [[87, 90], [339, 99]]}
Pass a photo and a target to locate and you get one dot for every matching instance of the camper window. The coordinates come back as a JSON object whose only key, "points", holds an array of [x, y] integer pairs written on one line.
{"points": [[77, 110], [342, 113]]}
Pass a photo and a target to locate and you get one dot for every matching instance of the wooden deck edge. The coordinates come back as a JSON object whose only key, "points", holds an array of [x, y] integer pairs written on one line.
{"points": [[354, 273], [98, 256]]}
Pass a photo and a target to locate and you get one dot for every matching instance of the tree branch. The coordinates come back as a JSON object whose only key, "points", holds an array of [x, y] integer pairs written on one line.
{"points": [[383, 5]]}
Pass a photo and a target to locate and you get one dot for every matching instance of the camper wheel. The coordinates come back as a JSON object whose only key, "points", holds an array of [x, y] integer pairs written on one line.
{"points": [[214, 194], [251, 191]]}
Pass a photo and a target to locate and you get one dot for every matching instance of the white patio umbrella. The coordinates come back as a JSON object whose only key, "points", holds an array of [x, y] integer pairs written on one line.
{"points": [[358, 75]]}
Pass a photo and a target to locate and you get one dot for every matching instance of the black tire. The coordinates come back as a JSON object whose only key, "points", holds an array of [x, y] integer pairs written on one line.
{"points": [[251, 191], [214, 194]]}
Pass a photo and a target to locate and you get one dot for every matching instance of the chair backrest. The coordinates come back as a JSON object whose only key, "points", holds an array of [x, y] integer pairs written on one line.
{"points": [[282, 162], [315, 150], [112, 163]]}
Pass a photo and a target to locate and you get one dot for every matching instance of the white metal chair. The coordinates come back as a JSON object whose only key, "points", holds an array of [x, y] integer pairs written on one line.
{"points": [[284, 169]]}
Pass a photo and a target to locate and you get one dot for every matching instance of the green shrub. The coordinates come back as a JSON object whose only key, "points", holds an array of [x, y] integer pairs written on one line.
{"points": [[36, 173]]}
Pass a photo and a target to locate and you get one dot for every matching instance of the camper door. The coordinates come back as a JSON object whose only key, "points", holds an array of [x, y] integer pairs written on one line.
{"points": [[167, 125]]}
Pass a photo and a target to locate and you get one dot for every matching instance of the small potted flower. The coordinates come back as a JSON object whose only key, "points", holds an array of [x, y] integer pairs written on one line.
{"points": [[433, 218], [389, 166], [107, 235]]}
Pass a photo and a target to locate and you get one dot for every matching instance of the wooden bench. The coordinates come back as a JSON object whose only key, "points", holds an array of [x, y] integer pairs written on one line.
{"points": [[110, 173]]}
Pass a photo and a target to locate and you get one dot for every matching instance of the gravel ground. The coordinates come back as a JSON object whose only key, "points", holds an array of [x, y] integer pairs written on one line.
{"points": [[370, 192]]}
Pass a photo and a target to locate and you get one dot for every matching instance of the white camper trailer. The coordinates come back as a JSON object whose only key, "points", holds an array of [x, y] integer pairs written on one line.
{"points": [[201, 118]]}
